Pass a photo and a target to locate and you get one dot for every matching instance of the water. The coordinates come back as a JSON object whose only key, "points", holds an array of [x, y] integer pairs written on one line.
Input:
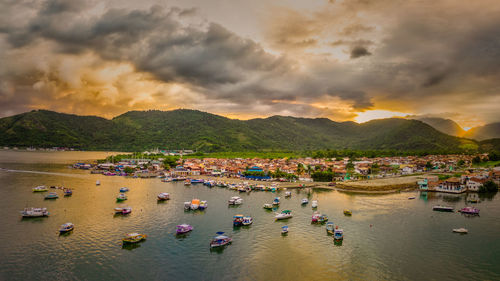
{"points": [[388, 237]]}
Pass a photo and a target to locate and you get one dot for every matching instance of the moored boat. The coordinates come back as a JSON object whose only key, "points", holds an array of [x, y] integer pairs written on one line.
{"points": [[235, 200], [195, 203], [184, 228], [247, 220], [285, 214], [124, 189], [126, 210], [68, 192], [288, 194], [314, 204], [98, 182], [440, 208], [284, 230], [51, 195], [338, 234], [460, 230], [121, 197], [304, 201], [268, 206], [329, 228], [40, 188], [469, 211], [187, 205], [197, 181], [276, 201], [133, 238], [238, 220], [67, 227], [187, 182], [34, 212], [347, 212], [203, 205], [220, 240], [163, 196]]}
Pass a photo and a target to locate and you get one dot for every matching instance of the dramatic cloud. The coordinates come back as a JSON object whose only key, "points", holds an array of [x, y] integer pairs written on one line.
{"points": [[332, 59]]}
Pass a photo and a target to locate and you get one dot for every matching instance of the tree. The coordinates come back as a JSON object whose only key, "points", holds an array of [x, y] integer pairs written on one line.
{"points": [[350, 165], [489, 186], [428, 165], [461, 163], [129, 170], [476, 160]]}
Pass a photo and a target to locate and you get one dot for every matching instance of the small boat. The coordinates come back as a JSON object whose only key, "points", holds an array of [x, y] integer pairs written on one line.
{"points": [[305, 201], [51, 195], [460, 230], [67, 227], [195, 203], [440, 208], [473, 200], [322, 218], [411, 198], [126, 210], [203, 205], [288, 194], [315, 217], [329, 228], [197, 181], [347, 212], [314, 204], [469, 211], [235, 200], [338, 234], [187, 205], [41, 188], [285, 214], [187, 182], [276, 201], [34, 212], [163, 196], [238, 220], [166, 179], [183, 228], [68, 192], [247, 221], [284, 230], [98, 182], [124, 189], [121, 197], [220, 240], [133, 238], [268, 206]]}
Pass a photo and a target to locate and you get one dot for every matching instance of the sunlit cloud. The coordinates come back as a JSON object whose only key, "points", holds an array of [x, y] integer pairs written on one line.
{"points": [[378, 114]]}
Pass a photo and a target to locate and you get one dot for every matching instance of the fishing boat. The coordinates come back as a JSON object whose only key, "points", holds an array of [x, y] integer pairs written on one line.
{"points": [[315, 217], [34, 212], [195, 203], [285, 214], [284, 230], [187, 205], [314, 204], [288, 194], [276, 201], [203, 205], [124, 189], [133, 238], [121, 197], [469, 211], [305, 201], [67, 227], [220, 240], [322, 218], [187, 182], [166, 179], [126, 210], [329, 228], [183, 228], [238, 220], [268, 206], [247, 221], [163, 196], [235, 200], [40, 188], [197, 181], [440, 208], [68, 192], [411, 198], [338, 234], [460, 230], [347, 212], [51, 195], [98, 182], [241, 189]]}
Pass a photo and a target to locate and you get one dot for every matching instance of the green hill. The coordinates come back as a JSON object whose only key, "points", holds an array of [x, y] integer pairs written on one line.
{"points": [[446, 126], [488, 131], [191, 129]]}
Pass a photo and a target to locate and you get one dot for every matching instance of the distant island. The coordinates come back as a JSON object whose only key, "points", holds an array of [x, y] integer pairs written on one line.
{"points": [[184, 129]]}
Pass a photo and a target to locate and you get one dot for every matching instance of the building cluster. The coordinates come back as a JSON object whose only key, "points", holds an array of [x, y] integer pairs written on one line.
{"points": [[466, 182]]}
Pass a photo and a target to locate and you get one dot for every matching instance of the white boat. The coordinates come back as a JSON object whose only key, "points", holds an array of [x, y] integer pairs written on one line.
{"points": [[124, 189], [34, 212], [98, 182], [247, 221], [460, 230], [314, 204], [285, 214], [163, 196], [276, 201], [67, 227], [288, 194], [305, 201], [235, 200], [187, 205], [268, 206], [40, 188], [338, 234], [203, 205]]}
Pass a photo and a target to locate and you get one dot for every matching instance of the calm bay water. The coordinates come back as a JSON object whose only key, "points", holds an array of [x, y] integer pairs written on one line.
{"points": [[388, 237]]}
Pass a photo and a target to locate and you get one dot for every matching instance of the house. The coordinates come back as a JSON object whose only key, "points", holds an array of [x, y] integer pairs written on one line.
{"points": [[451, 185], [473, 184]]}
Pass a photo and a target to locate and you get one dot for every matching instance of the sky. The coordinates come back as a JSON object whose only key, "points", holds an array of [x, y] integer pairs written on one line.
{"points": [[344, 60]]}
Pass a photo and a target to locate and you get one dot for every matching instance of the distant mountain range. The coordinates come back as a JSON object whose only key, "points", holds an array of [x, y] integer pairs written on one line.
{"points": [[450, 127], [192, 129], [488, 131]]}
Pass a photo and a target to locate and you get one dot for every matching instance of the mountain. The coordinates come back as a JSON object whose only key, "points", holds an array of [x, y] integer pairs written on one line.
{"points": [[488, 131], [192, 129], [446, 126]]}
